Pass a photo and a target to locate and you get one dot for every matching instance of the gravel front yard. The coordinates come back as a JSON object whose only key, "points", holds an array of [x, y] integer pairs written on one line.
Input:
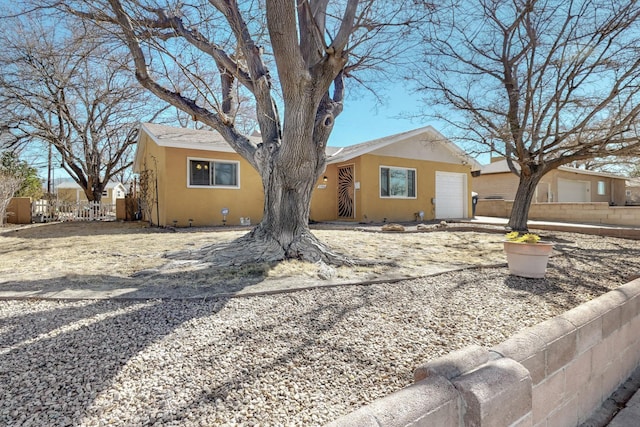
{"points": [[300, 358]]}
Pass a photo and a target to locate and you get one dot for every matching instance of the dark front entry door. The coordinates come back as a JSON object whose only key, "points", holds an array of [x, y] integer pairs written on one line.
{"points": [[346, 202]]}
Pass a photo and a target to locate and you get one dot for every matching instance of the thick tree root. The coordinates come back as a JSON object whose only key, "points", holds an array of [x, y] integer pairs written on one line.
{"points": [[260, 247]]}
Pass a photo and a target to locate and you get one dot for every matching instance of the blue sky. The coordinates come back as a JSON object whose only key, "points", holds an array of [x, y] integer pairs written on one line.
{"points": [[363, 120]]}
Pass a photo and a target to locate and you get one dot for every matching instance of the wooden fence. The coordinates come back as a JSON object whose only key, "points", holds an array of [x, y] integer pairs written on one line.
{"points": [[58, 210]]}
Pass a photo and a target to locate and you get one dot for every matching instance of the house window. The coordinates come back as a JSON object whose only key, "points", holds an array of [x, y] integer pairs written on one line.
{"points": [[105, 193], [602, 188], [213, 173], [397, 182]]}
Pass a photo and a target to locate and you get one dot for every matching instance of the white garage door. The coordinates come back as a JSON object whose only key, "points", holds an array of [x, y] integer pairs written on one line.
{"points": [[573, 191], [451, 195]]}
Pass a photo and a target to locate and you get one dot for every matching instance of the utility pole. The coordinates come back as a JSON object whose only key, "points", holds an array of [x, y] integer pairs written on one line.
{"points": [[49, 172]]}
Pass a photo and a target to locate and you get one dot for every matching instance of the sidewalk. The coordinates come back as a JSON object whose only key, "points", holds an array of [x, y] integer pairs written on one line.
{"points": [[622, 231], [623, 405], [629, 416]]}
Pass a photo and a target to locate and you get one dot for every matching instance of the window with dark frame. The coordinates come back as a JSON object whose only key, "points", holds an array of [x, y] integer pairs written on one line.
{"points": [[213, 173], [397, 182]]}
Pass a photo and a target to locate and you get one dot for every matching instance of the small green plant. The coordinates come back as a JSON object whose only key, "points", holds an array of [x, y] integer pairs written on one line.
{"points": [[515, 236]]}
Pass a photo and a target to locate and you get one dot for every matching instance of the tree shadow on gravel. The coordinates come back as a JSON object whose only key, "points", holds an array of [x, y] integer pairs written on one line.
{"points": [[147, 284], [575, 275], [278, 361], [55, 361]]}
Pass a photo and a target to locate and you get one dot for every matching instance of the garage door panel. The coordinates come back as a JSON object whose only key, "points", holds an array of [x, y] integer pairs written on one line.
{"points": [[573, 191], [450, 195]]}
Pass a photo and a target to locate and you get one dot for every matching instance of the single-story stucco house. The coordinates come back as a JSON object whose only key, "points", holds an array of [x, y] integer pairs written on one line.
{"points": [[632, 192], [389, 179], [70, 191], [564, 184]]}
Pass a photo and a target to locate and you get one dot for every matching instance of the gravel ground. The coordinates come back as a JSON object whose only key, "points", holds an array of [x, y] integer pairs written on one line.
{"points": [[301, 358]]}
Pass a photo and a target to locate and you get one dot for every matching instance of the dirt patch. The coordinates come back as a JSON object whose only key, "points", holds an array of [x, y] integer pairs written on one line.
{"points": [[116, 254]]}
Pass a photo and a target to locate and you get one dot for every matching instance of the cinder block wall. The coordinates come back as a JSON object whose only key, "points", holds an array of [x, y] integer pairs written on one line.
{"points": [[493, 207], [556, 373], [594, 213]]}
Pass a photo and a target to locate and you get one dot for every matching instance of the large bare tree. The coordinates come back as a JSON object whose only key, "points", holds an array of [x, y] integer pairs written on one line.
{"points": [[62, 87], [543, 83], [292, 57]]}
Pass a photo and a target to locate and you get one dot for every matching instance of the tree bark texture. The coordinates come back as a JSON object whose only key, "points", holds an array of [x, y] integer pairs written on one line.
{"points": [[522, 201]]}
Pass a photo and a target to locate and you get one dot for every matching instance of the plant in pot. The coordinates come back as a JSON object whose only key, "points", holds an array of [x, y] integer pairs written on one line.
{"points": [[527, 255]]}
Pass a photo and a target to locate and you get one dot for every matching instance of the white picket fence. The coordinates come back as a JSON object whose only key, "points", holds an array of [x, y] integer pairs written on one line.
{"points": [[59, 210]]}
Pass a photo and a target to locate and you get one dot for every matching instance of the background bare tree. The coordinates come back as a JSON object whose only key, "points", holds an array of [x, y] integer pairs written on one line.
{"points": [[542, 83], [620, 165], [62, 86], [9, 184], [291, 57]]}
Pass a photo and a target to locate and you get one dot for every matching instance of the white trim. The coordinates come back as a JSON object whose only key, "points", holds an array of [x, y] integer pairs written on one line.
{"points": [[201, 159], [415, 182]]}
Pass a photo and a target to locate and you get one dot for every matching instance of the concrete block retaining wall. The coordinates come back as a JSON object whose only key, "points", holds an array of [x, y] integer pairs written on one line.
{"points": [[594, 213], [556, 373]]}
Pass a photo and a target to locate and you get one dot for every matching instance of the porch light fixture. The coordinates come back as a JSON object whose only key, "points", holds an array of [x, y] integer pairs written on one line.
{"points": [[325, 179]]}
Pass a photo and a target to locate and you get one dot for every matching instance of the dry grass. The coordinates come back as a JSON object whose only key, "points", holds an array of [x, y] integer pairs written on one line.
{"points": [[114, 250]]}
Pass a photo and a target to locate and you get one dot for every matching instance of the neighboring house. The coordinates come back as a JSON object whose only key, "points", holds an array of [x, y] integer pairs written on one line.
{"points": [[632, 192], [70, 191], [387, 179], [564, 184]]}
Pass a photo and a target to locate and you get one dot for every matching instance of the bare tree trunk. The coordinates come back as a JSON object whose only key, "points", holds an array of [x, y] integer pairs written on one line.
{"points": [[522, 201], [284, 230], [94, 189]]}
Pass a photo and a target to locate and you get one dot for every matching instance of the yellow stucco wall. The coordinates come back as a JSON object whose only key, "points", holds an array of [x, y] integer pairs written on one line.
{"points": [[376, 208], [203, 205], [369, 206], [324, 201]]}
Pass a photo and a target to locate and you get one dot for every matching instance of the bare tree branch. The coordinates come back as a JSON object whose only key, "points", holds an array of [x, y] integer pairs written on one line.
{"points": [[542, 83]]}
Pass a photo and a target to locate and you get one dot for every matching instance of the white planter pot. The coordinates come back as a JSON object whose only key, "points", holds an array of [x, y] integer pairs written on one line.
{"points": [[528, 259]]}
